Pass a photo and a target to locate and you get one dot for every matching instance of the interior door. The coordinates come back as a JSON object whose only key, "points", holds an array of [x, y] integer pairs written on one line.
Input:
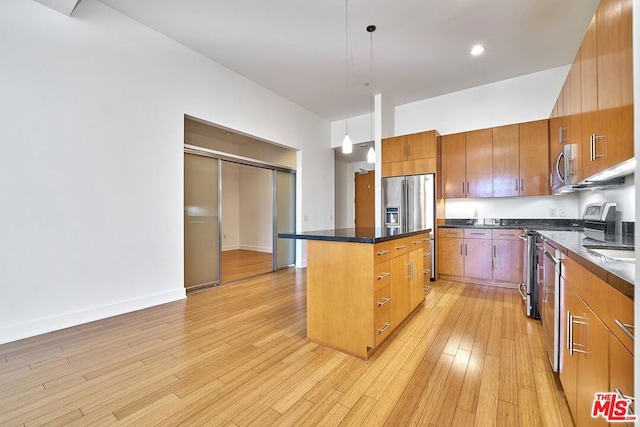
{"points": [[365, 199], [201, 221], [285, 218]]}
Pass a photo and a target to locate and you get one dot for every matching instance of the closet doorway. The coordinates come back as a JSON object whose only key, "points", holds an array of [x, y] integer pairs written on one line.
{"points": [[233, 209]]}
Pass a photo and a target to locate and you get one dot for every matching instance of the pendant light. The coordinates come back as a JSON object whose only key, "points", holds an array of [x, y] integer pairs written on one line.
{"points": [[371, 154], [347, 145]]}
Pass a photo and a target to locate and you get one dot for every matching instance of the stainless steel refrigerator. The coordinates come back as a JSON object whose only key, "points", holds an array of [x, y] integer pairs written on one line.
{"points": [[408, 204]]}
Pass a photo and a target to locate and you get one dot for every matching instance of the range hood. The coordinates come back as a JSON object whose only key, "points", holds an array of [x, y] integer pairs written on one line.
{"points": [[614, 175]]}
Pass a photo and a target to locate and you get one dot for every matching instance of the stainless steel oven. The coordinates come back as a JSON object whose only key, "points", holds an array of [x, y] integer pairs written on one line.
{"points": [[529, 289], [550, 303]]}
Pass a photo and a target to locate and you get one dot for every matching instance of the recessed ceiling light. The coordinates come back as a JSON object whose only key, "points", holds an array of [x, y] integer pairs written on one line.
{"points": [[477, 50]]}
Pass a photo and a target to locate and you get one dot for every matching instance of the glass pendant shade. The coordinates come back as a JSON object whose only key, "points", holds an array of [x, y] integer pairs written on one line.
{"points": [[347, 145], [371, 155]]}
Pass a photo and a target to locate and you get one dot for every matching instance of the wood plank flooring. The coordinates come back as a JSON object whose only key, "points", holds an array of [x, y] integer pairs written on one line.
{"points": [[240, 263], [237, 356]]}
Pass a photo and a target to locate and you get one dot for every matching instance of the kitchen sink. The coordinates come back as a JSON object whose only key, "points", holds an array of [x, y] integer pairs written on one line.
{"points": [[617, 254]]}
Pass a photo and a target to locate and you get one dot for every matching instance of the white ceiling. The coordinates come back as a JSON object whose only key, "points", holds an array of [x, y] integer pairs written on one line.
{"points": [[296, 48]]}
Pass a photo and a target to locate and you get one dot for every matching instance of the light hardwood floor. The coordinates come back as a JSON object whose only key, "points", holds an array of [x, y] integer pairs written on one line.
{"points": [[238, 264], [237, 356]]}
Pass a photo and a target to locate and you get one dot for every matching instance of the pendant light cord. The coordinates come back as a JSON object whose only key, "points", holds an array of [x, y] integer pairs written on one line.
{"points": [[346, 66]]}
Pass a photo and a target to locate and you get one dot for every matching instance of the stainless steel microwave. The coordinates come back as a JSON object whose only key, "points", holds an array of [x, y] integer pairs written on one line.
{"points": [[563, 178]]}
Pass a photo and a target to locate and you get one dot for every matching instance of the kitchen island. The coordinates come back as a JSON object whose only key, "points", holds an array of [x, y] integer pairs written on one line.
{"points": [[362, 284]]}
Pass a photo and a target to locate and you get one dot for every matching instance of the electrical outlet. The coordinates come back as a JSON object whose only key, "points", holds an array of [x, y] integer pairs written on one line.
{"points": [[330, 217], [305, 217], [552, 212], [562, 212], [475, 213]]}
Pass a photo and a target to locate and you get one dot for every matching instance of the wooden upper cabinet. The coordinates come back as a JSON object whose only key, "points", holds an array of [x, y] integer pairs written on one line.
{"points": [[574, 122], [421, 145], [588, 94], [534, 147], [506, 161], [410, 154], [606, 88], [394, 149], [453, 166], [479, 163]]}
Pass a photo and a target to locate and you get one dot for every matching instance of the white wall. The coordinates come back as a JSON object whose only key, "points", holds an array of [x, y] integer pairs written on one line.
{"points": [[256, 209], [521, 99], [514, 207], [91, 173], [230, 206]]}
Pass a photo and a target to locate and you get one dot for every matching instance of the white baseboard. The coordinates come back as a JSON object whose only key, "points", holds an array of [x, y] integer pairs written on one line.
{"points": [[230, 248], [75, 318], [266, 249]]}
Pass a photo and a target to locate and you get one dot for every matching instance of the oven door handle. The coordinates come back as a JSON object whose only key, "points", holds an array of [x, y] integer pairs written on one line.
{"points": [[551, 257], [523, 295]]}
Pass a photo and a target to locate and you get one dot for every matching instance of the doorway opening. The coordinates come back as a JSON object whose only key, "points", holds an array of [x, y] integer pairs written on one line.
{"points": [[234, 206]]}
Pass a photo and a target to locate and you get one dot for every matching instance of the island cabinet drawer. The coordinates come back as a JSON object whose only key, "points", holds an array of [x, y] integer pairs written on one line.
{"points": [[472, 233], [450, 232], [506, 234], [381, 252], [382, 301], [400, 246], [419, 241], [382, 327], [382, 275]]}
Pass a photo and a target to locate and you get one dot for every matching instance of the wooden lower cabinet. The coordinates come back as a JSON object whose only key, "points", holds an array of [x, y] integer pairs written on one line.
{"points": [[477, 258], [484, 255], [358, 293], [620, 371], [593, 359], [508, 256]]}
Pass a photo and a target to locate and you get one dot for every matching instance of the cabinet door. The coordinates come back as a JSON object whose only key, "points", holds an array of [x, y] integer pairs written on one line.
{"points": [[591, 337], [453, 166], [450, 256], [477, 260], [568, 362], [478, 163], [588, 95], [394, 149], [508, 260], [421, 145], [416, 278], [534, 149], [400, 273], [621, 370], [607, 146], [506, 161], [574, 122]]}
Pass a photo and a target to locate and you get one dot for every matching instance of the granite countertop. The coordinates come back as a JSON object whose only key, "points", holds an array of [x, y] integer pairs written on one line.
{"points": [[515, 224], [353, 235], [619, 274]]}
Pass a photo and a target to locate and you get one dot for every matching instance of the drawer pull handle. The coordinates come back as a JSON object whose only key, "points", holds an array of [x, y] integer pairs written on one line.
{"points": [[384, 252], [401, 247], [384, 328], [625, 328], [383, 302], [383, 275], [476, 233]]}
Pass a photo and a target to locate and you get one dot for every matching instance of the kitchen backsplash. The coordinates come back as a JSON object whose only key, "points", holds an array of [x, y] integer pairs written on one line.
{"points": [[557, 207], [563, 206]]}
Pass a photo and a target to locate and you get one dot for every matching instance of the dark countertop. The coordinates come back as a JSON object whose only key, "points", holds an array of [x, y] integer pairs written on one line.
{"points": [[353, 235], [618, 274], [515, 224]]}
